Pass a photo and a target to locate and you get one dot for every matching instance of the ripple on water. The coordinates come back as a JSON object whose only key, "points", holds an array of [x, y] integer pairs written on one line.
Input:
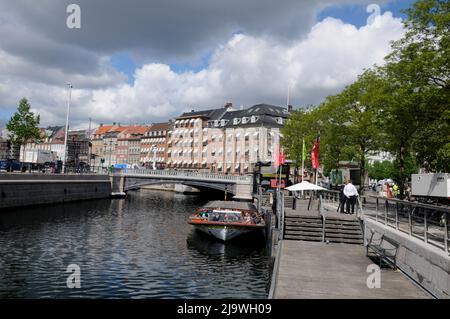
{"points": [[139, 247]]}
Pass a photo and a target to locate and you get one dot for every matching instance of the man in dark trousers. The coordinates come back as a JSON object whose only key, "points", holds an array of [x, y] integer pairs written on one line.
{"points": [[351, 194], [342, 199]]}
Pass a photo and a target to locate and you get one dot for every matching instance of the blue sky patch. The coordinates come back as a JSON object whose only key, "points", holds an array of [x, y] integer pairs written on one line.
{"points": [[358, 15]]}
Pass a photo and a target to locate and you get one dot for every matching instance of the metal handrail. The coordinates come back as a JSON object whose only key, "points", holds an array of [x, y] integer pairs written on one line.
{"points": [[429, 223], [322, 213]]}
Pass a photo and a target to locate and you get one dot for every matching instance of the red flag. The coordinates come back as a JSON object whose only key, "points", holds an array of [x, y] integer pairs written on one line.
{"points": [[315, 153], [282, 157]]}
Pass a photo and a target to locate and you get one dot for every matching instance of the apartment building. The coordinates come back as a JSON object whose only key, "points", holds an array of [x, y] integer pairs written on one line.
{"points": [[189, 134], [129, 145], [154, 145]]}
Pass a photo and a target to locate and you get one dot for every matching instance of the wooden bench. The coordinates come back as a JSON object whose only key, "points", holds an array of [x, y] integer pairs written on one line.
{"points": [[389, 254]]}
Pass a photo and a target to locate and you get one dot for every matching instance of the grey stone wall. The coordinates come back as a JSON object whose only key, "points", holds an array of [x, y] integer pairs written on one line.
{"points": [[426, 264], [18, 190]]}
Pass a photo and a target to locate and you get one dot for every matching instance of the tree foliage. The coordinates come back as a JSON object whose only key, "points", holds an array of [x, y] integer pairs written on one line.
{"points": [[402, 107], [23, 125]]}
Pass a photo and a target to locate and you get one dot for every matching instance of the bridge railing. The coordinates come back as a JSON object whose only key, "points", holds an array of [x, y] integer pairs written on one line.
{"points": [[186, 174]]}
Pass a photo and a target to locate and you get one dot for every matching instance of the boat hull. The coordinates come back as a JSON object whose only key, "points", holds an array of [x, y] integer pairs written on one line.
{"points": [[226, 232]]}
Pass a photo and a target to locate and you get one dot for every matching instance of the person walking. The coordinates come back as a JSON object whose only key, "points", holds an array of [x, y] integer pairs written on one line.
{"points": [[342, 199], [351, 194]]}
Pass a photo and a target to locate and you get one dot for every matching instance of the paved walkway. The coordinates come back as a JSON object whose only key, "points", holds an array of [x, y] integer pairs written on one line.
{"points": [[317, 270], [301, 209]]}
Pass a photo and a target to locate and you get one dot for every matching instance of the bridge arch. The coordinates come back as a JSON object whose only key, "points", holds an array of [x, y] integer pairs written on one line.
{"points": [[132, 183]]}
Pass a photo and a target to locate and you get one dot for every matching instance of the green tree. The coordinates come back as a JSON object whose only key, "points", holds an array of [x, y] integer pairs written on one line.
{"points": [[23, 125], [419, 72], [360, 106]]}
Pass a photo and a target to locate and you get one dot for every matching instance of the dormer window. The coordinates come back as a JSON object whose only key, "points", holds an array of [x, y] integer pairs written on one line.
{"points": [[280, 120], [254, 119], [223, 122], [216, 123], [245, 120], [236, 121]]}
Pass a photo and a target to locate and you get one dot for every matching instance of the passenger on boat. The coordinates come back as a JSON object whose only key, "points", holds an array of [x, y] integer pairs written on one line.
{"points": [[247, 218]]}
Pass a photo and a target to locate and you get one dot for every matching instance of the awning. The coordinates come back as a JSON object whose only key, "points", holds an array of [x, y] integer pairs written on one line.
{"points": [[189, 162], [255, 134], [228, 166], [247, 134], [204, 162], [237, 166], [205, 139], [238, 134], [195, 162], [219, 165], [191, 121]]}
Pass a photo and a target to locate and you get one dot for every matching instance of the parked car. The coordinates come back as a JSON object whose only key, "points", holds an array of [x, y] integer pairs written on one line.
{"points": [[9, 165]]}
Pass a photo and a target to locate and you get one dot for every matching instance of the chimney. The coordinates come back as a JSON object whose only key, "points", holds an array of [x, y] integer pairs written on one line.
{"points": [[290, 108], [228, 105], [192, 111]]}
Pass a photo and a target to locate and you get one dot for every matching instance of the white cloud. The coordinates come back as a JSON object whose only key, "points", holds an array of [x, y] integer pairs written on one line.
{"points": [[245, 70]]}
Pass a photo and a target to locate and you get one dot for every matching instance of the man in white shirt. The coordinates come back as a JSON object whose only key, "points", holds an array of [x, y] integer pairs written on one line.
{"points": [[351, 193]]}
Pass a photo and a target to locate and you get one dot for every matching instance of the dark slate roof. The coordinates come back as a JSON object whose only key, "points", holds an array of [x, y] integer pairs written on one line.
{"points": [[266, 109], [267, 115], [213, 114]]}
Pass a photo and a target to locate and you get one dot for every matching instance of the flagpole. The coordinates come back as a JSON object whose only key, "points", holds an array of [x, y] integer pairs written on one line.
{"points": [[303, 159]]}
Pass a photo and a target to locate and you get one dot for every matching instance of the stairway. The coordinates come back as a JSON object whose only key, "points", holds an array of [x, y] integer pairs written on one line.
{"points": [[343, 231], [303, 228], [309, 228]]}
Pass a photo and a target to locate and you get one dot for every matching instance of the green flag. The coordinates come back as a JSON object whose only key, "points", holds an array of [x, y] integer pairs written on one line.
{"points": [[304, 150]]}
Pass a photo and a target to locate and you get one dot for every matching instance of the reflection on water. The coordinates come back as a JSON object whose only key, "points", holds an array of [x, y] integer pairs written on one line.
{"points": [[138, 247]]}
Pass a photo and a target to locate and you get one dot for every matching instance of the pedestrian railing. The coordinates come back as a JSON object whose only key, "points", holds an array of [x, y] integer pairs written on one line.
{"points": [[429, 223]]}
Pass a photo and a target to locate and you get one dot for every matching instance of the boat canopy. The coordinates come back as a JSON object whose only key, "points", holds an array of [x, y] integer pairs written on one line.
{"points": [[230, 205]]}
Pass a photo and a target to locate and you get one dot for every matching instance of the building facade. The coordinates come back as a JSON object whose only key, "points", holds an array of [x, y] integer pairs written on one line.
{"points": [[154, 145]]}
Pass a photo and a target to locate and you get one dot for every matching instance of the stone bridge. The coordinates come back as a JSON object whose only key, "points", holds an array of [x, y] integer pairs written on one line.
{"points": [[241, 187]]}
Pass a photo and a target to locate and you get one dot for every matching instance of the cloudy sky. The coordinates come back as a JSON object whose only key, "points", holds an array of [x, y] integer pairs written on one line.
{"points": [[135, 61]]}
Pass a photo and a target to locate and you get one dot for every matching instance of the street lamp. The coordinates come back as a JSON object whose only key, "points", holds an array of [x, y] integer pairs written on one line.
{"points": [[69, 92]]}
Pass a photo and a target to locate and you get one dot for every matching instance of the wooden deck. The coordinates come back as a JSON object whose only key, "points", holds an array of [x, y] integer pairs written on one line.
{"points": [[324, 271]]}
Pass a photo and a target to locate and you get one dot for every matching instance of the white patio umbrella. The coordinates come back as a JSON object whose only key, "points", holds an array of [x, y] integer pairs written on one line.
{"points": [[305, 186]]}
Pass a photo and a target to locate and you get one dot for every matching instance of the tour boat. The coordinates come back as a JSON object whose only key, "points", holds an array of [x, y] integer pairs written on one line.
{"points": [[227, 220]]}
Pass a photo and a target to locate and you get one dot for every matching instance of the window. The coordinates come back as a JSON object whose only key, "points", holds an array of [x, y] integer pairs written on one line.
{"points": [[254, 119], [236, 121]]}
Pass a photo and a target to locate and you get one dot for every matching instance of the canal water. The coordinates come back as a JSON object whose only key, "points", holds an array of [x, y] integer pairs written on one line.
{"points": [[138, 247]]}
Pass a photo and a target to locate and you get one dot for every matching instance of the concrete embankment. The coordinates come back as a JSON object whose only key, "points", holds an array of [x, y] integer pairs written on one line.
{"points": [[18, 190], [426, 264]]}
